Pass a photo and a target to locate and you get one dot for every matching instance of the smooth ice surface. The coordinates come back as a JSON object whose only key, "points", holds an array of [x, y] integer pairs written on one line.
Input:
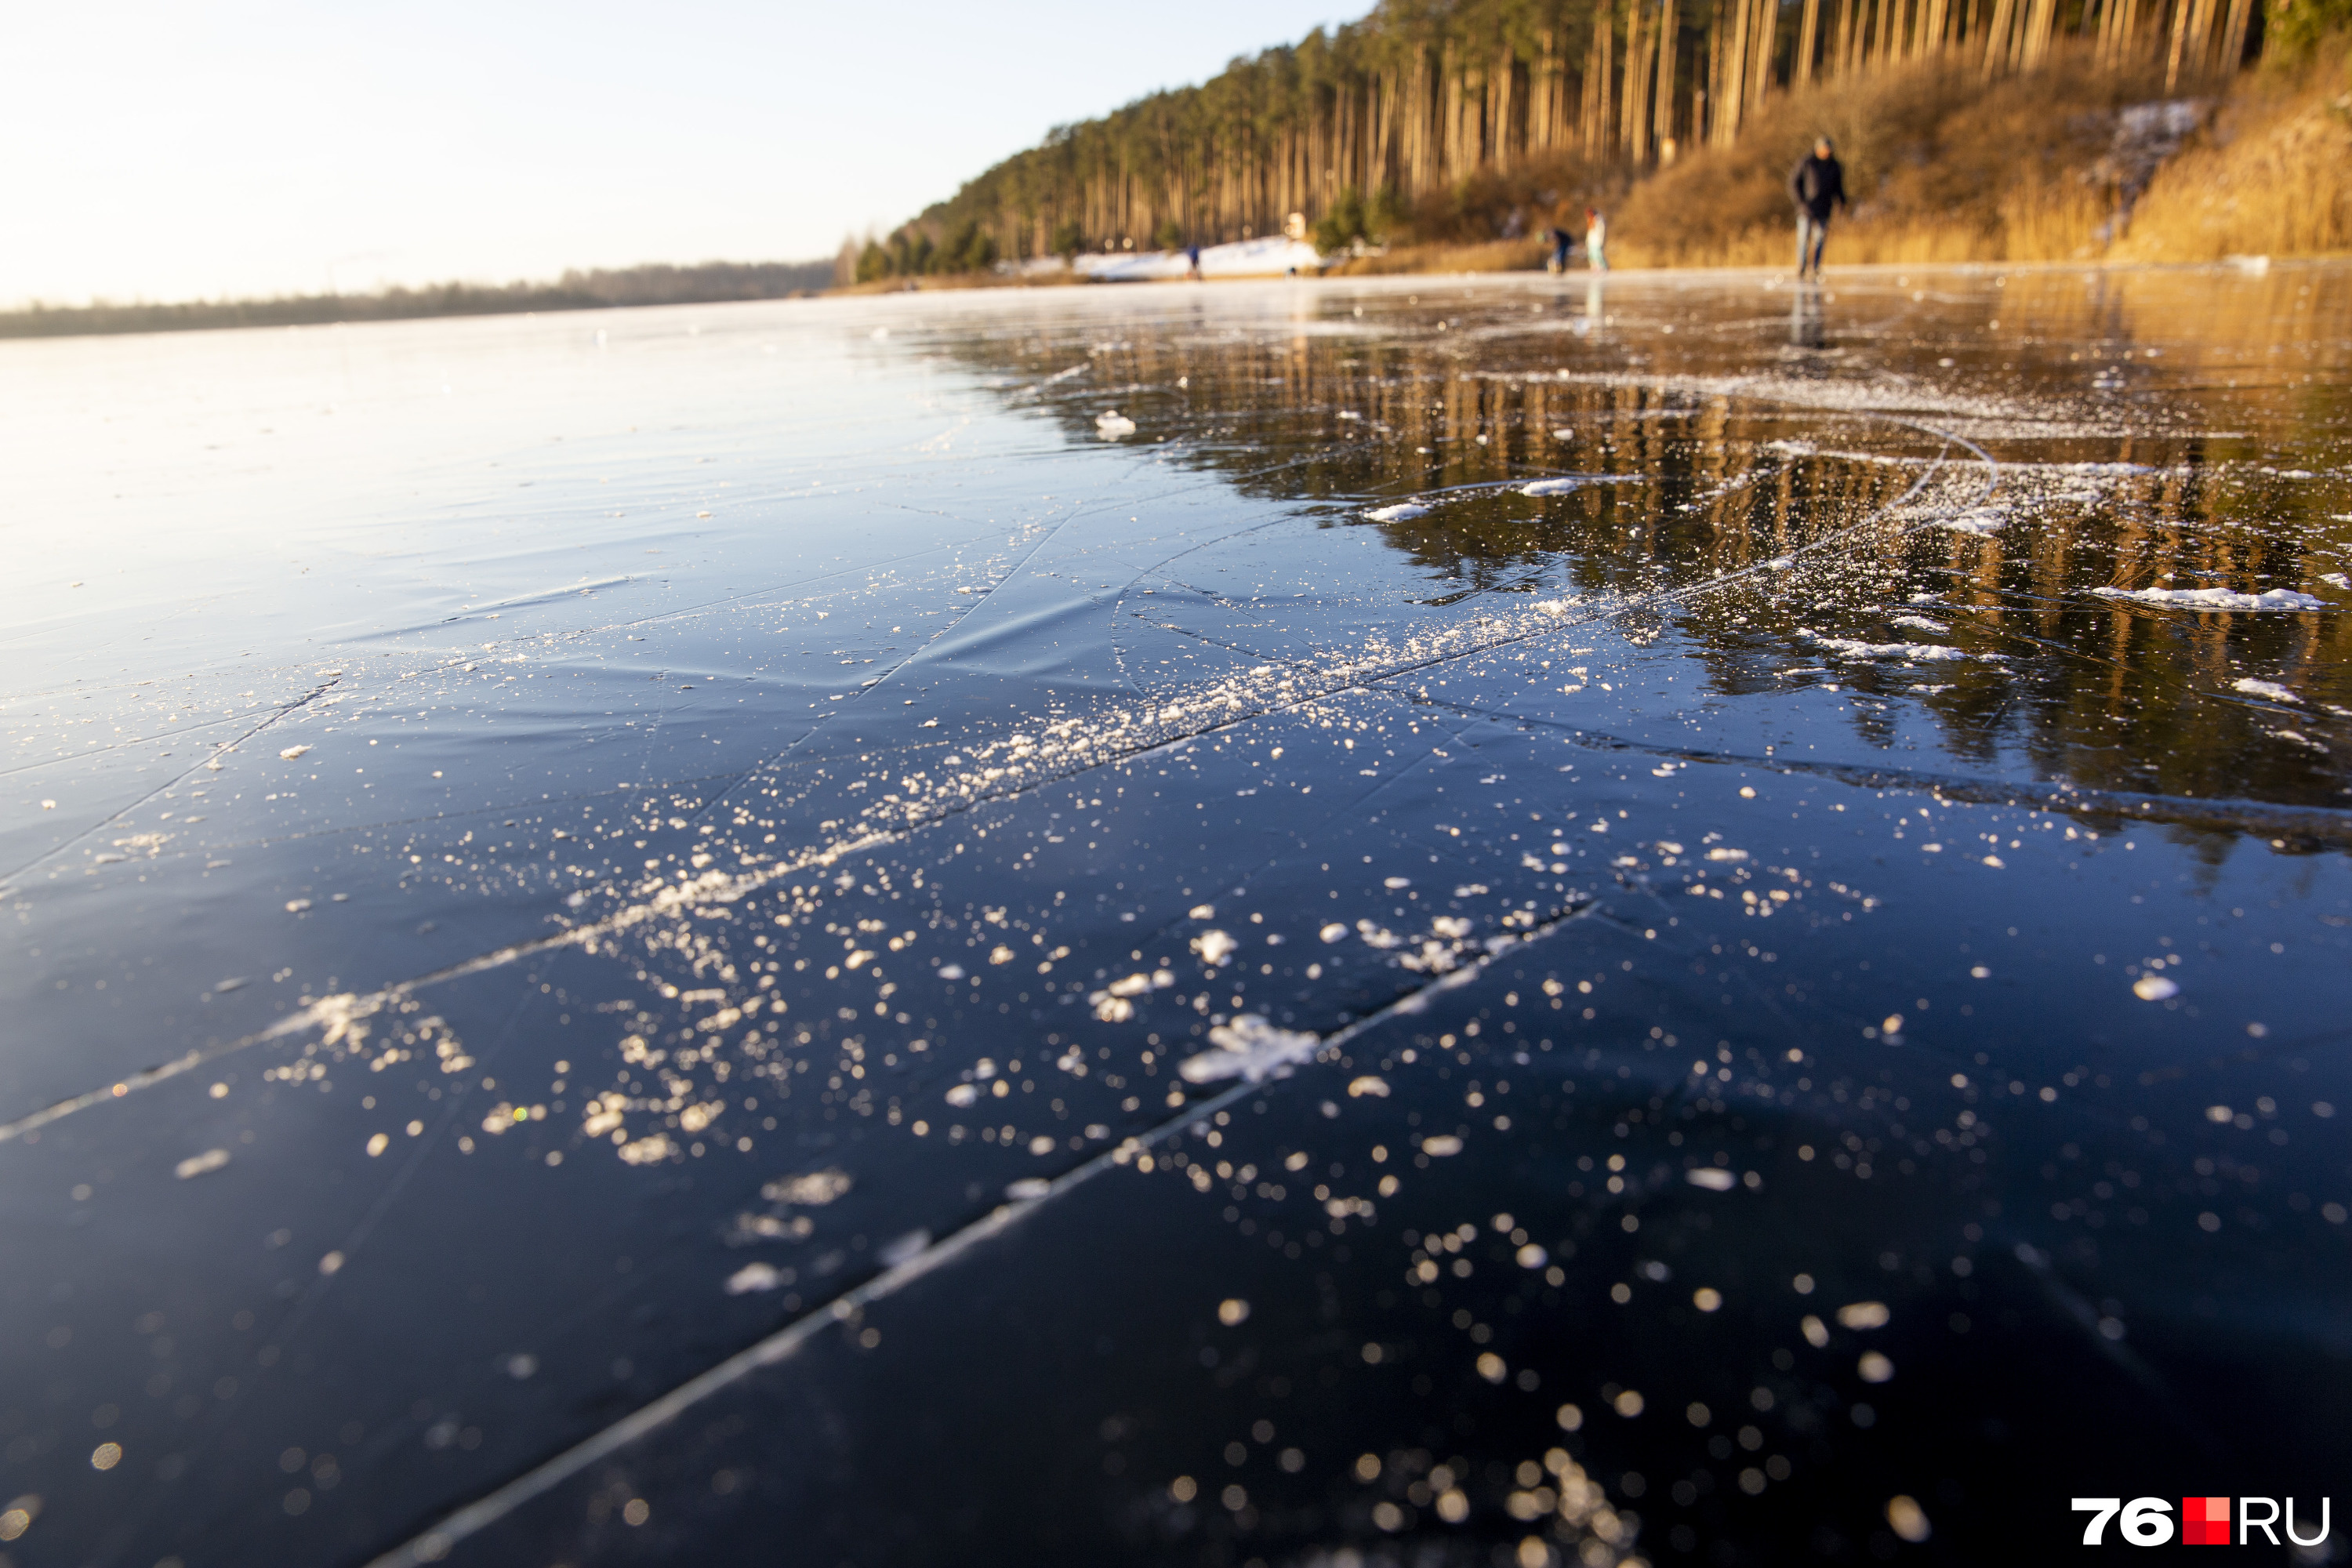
{"points": [[1412, 919]]}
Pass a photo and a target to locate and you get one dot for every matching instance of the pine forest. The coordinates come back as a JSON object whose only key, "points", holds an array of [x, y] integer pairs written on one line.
{"points": [[1355, 128]]}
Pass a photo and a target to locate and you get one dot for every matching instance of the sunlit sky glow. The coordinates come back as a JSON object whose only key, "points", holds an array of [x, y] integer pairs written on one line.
{"points": [[269, 146]]}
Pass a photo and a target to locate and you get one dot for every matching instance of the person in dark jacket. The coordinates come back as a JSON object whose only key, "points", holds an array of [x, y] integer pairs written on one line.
{"points": [[1819, 185]]}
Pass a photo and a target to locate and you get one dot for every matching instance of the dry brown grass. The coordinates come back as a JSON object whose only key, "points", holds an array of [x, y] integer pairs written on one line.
{"points": [[1941, 169], [2273, 176]]}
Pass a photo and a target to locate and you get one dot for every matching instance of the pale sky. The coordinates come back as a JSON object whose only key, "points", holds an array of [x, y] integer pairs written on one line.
{"points": [[167, 150]]}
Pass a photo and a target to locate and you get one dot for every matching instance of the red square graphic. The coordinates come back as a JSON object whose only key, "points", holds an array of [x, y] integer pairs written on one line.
{"points": [[2204, 1521]]}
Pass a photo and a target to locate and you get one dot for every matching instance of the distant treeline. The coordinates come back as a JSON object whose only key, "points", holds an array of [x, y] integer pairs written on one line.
{"points": [[710, 282]]}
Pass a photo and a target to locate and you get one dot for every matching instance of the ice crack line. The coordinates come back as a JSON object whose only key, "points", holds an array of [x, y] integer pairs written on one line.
{"points": [[2283, 823], [435, 1544], [118, 813]]}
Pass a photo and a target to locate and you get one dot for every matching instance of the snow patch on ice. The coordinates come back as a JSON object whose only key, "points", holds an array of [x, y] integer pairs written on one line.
{"points": [[1853, 649], [2215, 598], [1267, 255], [1983, 524]]}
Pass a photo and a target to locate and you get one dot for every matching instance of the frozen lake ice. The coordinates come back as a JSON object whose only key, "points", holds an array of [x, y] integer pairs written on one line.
{"points": [[1434, 920]]}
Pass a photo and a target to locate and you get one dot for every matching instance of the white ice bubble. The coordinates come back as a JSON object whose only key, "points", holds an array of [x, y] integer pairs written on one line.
{"points": [[900, 1249], [195, 1165], [754, 1276]]}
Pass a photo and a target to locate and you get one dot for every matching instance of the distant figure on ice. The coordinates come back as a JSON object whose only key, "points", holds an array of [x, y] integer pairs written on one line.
{"points": [[1819, 184], [1193, 262], [1561, 244], [1596, 240]]}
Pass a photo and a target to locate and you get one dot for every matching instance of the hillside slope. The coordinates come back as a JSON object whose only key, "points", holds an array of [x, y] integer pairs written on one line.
{"points": [[2019, 129]]}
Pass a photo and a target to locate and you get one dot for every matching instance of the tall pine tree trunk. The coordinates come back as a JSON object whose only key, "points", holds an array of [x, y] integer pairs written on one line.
{"points": [[1636, 95], [2179, 40], [1996, 39], [1664, 112], [1764, 39], [2233, 38], [1731, 92]]}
